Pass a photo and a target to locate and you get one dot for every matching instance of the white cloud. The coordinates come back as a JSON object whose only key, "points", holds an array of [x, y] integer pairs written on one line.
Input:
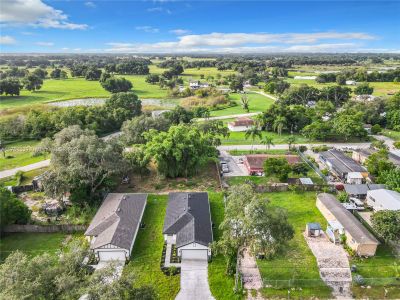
{"points": [[35, 13], [179, 31], [248, 43], [148, 29], [90, 4], [7, 40], [159, 9], [45, 44]]}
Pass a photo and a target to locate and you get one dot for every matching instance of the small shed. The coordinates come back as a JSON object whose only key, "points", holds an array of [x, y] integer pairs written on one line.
{"points": [[313, 229], [354, 178], [306, 181]]}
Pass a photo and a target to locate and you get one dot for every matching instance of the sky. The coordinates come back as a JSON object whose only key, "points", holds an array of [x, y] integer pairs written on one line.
{"points": [[165, 26]]}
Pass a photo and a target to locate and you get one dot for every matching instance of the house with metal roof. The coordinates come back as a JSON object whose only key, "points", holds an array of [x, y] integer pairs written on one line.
{"points": [[241, 124], [187, 224], [357, 236], [360, 190], [340, 165], [113, 229], [383, 199]]}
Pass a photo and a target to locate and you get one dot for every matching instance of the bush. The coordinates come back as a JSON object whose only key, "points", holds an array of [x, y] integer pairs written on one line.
{"points": [[376, 129], [397, 144], [303, 148], [343, 197]]}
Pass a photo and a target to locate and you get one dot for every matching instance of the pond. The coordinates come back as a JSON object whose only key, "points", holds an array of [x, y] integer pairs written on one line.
{"points": [[100, 101]]}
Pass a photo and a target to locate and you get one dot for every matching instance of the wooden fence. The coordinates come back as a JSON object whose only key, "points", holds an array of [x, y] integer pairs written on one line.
{"points": [[67, 228]]}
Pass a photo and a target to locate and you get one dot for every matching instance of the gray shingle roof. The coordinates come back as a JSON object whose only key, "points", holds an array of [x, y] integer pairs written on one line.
{"points": [[340, 162], [117, 220], [188, 216], [350, 223], [356, 189]]}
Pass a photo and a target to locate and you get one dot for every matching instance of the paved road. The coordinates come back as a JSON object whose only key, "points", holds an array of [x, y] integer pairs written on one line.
{"points": [[194, 281], [285, 146], [388, 141], [38, 165]]}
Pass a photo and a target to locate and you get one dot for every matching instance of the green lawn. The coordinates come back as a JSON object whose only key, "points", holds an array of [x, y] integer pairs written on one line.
{"points": [[297, 261], [238, 138], [395, 135], [27, 177], [270, 151], [257, 103], [221, 285], [31, 243], [20, 154], [146, 253]]}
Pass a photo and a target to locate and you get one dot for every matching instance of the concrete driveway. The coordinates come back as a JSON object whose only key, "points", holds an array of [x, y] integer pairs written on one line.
{"points": [[194, 281], [235, 167]]}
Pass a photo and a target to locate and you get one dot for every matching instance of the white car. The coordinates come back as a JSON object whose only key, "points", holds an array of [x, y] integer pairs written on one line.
{"points": [[225, 168]]}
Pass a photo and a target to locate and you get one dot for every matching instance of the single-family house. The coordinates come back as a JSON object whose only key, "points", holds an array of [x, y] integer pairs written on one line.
{"points": [[241, 124], [361, 155], [351, 82], [113, 229], [358, 237], [254, 163], [196, 84], [359, 191], [383, 199], [187, 224], [340, 164]]}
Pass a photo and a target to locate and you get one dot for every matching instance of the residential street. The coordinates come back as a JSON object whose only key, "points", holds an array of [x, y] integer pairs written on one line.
{"points": [[38, 165]]}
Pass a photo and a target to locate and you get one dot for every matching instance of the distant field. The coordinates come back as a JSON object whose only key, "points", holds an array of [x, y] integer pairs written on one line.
{"points": [[257, 103], [19, 154]]}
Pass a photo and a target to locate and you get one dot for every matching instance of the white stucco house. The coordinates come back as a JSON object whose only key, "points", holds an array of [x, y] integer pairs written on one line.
{"points": [[383, 199], [351, 82], [241, 124], [196, 84], [113, 229], [187, 224]]}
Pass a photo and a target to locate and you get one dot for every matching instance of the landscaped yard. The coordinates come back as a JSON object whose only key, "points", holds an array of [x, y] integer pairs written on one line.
{"points": [[297, 261], [394, 135], [257, 103], [31, 243], [146, 253], [19, 154], [221, 285]]}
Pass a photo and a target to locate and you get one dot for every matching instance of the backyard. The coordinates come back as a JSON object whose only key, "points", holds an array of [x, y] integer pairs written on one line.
{"points": [[296, 262], [31, 243]]}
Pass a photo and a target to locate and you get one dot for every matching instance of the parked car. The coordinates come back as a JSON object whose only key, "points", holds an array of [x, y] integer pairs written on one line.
{"points": [[225, 168], [357, 203]]}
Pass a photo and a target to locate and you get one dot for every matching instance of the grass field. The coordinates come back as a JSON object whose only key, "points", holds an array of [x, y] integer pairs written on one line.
{"points": [[238, 138], [19, 154], [31, 243], [26, 179], [221, 285], [146, 252], [297, 262], [257, 103]]}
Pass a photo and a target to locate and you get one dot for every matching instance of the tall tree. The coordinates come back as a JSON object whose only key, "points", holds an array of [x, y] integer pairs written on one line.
{"points": [[253, 133], [387, 224], [364, 89], [267, 141], [244, 100], [32, 82], [12, 209]]}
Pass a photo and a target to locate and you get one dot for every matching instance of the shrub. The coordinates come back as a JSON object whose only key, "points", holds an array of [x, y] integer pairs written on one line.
{"points": [[303, 148], [343, 197], [376, 129]]}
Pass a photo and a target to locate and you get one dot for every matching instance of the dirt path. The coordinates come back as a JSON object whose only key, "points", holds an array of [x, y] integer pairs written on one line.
{"points": [[333, 265]]}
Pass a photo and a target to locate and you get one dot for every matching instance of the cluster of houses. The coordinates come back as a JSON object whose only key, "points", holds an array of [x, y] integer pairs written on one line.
{"points": [[187, 225]]}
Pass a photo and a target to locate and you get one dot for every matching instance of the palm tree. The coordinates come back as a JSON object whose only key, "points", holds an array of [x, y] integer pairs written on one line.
{"points": [[268, 142], [260, 120], [244, 100], [253, 133], [291, 140], [279, 124]]}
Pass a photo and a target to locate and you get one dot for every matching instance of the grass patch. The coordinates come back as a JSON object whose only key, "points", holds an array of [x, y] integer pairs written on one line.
{"points": [[238, 138], [270, 151], [27, 177], [146, 253], [221, 285], [257, 103], [19, 154], [31, 243], [394, 135], [297, 261]]}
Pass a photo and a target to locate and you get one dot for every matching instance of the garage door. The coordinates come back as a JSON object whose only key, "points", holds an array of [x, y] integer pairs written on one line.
{"points": [[194, 254], [111, 255]]}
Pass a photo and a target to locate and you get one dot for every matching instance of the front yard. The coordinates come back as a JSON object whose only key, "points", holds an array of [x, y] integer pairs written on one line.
{"points": [[297, 262]]}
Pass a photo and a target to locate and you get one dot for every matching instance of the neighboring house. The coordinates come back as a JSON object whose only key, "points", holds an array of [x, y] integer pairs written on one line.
{"points": [[241, 124], [351, 82], [188, 224], [340, 164], [359, 191], [354, 178], [157, 113], [361, 155], [254, 163], [196, 84], [113, 229], [368, 128], [383, 199], [339, 219]]}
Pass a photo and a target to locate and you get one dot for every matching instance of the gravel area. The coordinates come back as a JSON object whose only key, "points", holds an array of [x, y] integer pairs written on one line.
{"points": [[333, 265], [250, 273]]}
